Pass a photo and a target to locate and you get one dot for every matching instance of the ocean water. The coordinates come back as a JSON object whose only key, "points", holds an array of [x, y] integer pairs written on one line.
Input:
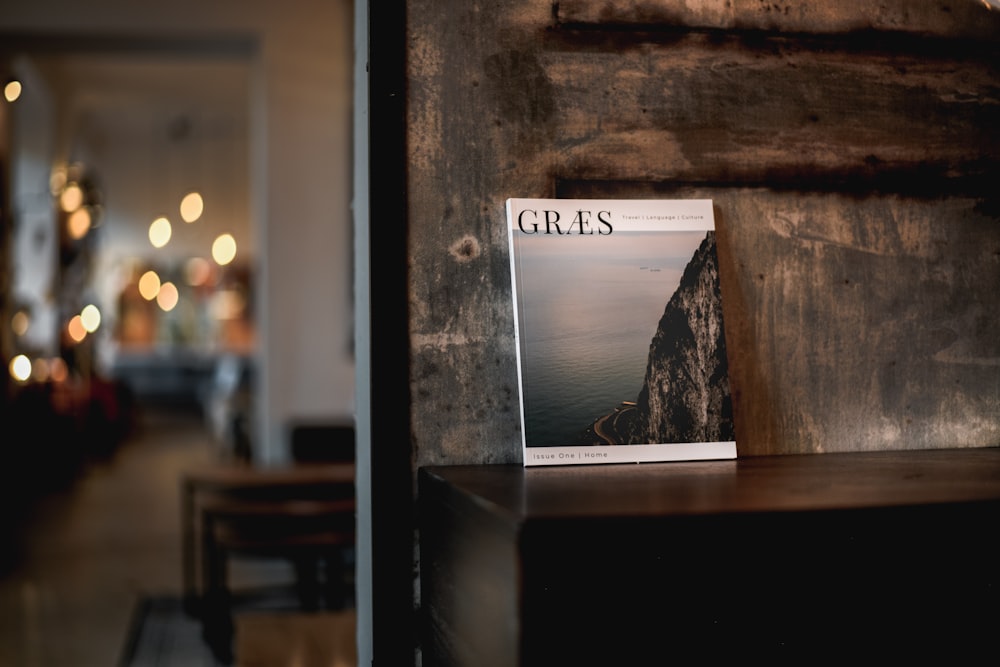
{"points": [[589, 310]]}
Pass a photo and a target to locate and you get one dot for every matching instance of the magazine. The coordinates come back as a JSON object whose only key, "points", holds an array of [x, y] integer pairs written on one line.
{"points": [[620, 341]]}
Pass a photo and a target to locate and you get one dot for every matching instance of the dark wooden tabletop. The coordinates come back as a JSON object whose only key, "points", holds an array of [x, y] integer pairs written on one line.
{"points": [[756, 484], [235, 476]]}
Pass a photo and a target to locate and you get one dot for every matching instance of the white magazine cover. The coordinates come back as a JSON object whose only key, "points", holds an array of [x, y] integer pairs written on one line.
{"points": [[621, 352]]}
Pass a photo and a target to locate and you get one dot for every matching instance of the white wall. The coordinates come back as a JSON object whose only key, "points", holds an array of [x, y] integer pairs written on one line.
{"points": [[363, 562], [301, 181]]}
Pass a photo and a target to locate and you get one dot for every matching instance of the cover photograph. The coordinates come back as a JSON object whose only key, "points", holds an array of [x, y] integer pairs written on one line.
{"points": [[620, 341]]}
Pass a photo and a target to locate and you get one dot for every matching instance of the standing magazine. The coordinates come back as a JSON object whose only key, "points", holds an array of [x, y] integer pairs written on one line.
{"points": [[621, 352]]}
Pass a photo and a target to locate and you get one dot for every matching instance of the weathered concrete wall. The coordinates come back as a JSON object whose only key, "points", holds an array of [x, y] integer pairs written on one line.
{"points": [[849, 151]]}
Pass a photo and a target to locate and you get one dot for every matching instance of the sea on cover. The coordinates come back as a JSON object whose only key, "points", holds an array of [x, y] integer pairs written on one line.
{"points": [[590, 307]]}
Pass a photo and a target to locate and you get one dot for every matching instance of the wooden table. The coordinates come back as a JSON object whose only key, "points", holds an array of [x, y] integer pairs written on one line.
{"points": [[223, 483], [862, 556]]}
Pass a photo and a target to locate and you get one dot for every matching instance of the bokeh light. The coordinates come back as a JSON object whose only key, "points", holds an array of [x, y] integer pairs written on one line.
{"points": [[224, 249], [149, 285], [167, 297], [58, 370], [78, 223], [12, 91], [90, 316], [75, 329], [159, 232], [20, 368], [71, 198], [19, 323], [40, 370], [192, 206]]}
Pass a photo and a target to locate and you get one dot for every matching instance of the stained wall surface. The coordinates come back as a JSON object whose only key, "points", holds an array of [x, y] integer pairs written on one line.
{"points": [[849, 149]]}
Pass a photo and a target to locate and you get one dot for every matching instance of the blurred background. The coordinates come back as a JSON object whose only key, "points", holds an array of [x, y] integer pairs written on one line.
{"points": [[176, 281], [176, 214], [132, 254]]}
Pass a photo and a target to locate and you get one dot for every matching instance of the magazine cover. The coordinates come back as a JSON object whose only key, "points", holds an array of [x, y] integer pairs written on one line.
{"points": [[621, 349]]}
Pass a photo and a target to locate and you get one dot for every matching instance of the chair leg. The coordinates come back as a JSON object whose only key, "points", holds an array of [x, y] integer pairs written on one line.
{"points": [[307, 582], [337, 588], [328, 587], [190, 548], [216, 606]]}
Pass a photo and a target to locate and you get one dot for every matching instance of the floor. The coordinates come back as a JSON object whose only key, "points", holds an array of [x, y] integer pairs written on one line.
{"points": [[93, 550]]}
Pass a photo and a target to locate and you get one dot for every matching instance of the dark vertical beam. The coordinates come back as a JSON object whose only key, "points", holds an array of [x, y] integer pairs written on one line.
{"points": [[392, 494], [6, 237]]}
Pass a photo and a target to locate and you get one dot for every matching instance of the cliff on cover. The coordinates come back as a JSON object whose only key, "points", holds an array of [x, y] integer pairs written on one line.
{"points": [[685, 395]]}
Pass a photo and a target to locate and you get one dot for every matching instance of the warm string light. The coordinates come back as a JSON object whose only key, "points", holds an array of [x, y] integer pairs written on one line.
{"points": [[149, 285], [192, 206], [90, 317], [167, 297], [12, 90], [198, 278], [77, 199], [224, 249], [78, 223], [73, 194], [75, 329], [73, 202], [71, 198], [160, 232], [41, 369], [83, 323], [197, 272], [20, 368]]}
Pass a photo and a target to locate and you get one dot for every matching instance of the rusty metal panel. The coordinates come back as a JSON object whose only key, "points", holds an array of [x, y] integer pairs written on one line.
{"points": [[850, 152]]}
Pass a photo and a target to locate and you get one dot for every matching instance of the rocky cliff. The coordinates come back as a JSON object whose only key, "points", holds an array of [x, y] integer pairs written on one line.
{"points": [[685, 394]]}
